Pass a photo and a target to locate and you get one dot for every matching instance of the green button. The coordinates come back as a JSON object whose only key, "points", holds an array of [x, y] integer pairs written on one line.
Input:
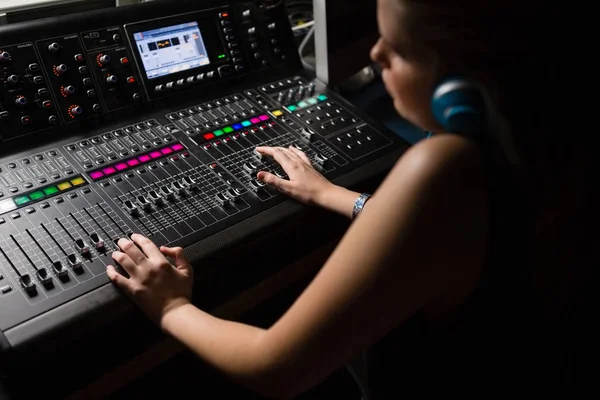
{"points": [[291, 108], [246, 123], [228, 129], [322, 97], [302, 104], [36, 195], [49, 191], [218, 132], [21, 200], [312, 100]]}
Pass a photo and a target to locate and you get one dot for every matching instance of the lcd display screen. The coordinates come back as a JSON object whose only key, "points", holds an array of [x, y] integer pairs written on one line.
{"points": [[172, 49]]}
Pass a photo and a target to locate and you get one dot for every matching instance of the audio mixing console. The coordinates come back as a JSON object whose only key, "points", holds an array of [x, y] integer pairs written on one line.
{"points": [[145, 119]]}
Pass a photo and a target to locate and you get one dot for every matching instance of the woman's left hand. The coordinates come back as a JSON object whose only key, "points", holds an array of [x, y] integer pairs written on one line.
{"points": [[154, 284]]}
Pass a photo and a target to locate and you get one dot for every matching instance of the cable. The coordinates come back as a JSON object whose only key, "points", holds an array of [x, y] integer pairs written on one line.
{"points": [[303, 26], [302, 48], [362, 383]]}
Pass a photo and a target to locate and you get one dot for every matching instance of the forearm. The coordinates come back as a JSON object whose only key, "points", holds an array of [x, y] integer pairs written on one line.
{"points": [[340, 200], [234, 349]]}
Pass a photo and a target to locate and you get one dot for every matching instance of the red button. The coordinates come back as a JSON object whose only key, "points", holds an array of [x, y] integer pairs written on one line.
{"points": [[124, 60], [131, 79], [47, 104], [79, 57], [209, 136]]}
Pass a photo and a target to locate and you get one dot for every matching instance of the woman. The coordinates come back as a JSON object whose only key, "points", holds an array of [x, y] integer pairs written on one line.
{"points": [[437, 258]]}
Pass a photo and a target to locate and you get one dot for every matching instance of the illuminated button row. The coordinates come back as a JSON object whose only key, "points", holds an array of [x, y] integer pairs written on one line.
{"points": [[235, 127], [307, 103], [135, 162], [40, 194]]}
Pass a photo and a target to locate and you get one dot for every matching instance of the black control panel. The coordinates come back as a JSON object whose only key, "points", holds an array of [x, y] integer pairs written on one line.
{"points": [[145, 119]]}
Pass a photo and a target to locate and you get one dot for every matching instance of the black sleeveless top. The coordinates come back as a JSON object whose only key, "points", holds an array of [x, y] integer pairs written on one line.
{"points": [[482, 349]]}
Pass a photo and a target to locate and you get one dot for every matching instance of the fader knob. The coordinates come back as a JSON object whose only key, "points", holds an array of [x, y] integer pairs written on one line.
{"points": [[60, 270], [53, 47], [97, 240], [27, 284], [4, 56], [75, 262]]}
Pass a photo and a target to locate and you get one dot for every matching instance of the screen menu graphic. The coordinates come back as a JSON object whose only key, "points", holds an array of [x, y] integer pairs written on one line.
{"points": [[172, 49]]}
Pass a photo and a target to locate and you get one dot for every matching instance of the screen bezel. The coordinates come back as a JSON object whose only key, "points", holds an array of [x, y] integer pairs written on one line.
{"points": [[212, 36]]}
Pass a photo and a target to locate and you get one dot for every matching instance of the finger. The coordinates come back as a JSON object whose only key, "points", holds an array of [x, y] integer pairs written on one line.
{"points": [[280, 155], [270, 179], [148, 247], [126, 262], [128, 247], [117, 278], [300, 154], [176, 253]]}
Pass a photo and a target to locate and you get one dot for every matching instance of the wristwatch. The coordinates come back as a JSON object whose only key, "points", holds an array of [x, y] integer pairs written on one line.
{"points": [[359, 203]]}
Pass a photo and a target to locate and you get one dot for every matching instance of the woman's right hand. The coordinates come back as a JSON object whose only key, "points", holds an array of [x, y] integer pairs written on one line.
{"points": [[305, 183]]}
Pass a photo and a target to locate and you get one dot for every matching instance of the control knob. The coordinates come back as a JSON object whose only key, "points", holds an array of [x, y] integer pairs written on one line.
{"points": [[301, 92], [68, 90], [111, 79], [75, 110], [12, 79], [4, 56], [20, 101], [103, 59], [53, 47], [60, 69]]}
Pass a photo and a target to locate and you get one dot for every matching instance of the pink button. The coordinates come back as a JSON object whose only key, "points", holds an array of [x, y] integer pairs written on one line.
{"points": [[133, 162], [263, 118], [255, 120], [155, 154], [121, 166], [166, 150], [177, 147], [109, 170], [144, 158], [96, 175]]}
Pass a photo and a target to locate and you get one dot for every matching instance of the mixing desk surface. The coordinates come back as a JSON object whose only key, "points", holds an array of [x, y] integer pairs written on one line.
{"points": [[145, 119]]}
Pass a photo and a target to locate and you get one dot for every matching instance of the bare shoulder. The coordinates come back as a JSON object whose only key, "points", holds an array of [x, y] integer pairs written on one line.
{"points": [[441, 184], [443, 156]]}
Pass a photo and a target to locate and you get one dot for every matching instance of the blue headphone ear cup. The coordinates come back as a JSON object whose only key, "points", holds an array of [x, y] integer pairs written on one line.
{"points": [[459, 106]]}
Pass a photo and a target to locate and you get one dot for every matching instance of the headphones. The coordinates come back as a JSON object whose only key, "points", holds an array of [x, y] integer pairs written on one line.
{"points": [[461, 106]]}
